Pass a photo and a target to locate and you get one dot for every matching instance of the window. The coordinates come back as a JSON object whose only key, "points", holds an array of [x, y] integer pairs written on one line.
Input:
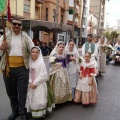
{"points": [[83, 30], [54, 12], [62, 18], [71, 11], [26, 8], [36, 10], [46, 14]]}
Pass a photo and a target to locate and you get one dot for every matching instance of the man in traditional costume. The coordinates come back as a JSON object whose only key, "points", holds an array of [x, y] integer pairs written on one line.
{"points": [[15, 67], [90, 47]]}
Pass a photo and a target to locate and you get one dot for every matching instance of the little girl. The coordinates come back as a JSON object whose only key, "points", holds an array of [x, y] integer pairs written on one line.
{"points": [[72, 61], [37, 96], [59, 79], [86, 90]]}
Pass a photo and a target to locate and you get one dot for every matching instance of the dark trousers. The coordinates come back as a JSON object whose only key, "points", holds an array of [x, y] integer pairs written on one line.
{"points": [[16, 87]]}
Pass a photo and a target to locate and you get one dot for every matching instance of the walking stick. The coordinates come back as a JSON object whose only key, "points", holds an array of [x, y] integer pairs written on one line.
{"points": [[4, 6], [3, 26], [6, 52]]}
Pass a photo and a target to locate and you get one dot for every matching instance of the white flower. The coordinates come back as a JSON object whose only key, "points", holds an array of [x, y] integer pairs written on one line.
{"points": [[52, 59], [111, 48], [80, 59]]}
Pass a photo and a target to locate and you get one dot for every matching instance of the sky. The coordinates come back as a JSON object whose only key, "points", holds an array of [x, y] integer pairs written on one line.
{"points": [[113, 10]]}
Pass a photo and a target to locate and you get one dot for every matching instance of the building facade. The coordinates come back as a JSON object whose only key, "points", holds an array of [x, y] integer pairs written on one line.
{"points": [[78, 17], [55, 11], [86, 18], [27, 9], [92, 23], [98, 6], [50, 8]]}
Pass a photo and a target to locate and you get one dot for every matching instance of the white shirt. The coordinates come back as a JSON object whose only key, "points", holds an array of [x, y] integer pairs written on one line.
{"points": [[89, 50], [16, 45]]}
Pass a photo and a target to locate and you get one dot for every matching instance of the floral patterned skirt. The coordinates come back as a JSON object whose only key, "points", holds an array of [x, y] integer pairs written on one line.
{"points": [[62, 90]]}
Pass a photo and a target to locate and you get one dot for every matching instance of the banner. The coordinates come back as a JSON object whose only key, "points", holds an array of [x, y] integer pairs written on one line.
{"points": [[8, 16], [3, 7]]}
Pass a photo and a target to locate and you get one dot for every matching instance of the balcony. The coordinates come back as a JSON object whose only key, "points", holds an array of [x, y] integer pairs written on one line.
{"points": [[40, 1], [71, 23]]}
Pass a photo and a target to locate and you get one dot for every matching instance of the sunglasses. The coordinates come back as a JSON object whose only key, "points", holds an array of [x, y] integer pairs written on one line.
{"points": [[16, 24]]}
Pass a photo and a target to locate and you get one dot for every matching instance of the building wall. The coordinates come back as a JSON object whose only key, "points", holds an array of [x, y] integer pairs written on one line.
{"points": [[19, 7], [78, 11], [92, 24], [31, 14], [32, 9], [95, 6], [51, 6], [86, 19]]}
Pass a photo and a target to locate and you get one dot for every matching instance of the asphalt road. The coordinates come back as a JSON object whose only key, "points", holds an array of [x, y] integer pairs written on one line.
{"points": [[107, 107]]}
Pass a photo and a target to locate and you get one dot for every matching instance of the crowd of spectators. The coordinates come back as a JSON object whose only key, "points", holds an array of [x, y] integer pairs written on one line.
{"points": [[45, 48]]}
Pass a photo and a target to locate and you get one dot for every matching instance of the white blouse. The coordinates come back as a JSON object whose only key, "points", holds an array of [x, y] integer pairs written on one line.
{"points": [[16, 45]]}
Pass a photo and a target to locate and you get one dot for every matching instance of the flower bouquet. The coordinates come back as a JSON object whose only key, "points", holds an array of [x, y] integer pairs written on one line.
{"points": [[80, 59], [108, 49], [53, 60]]}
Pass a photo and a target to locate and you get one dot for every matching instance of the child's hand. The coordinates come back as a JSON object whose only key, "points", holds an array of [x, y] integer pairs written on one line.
{"points": [[32, 86], [81, 76], [72, 58]]}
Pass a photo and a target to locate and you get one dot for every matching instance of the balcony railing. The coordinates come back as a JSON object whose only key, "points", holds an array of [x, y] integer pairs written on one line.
{"points": [[40, 1]]}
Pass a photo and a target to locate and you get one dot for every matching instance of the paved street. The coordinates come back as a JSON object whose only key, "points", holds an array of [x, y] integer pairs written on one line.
{"points": [[107, 108]]}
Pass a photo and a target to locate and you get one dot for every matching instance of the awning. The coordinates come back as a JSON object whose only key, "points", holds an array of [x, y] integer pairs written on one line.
{"points": [[45, 26]]}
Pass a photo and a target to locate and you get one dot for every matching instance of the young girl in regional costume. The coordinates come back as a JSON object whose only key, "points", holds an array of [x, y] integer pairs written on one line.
{"points": [[72, 64], [59, 78], [38, 95], [86, 90]]}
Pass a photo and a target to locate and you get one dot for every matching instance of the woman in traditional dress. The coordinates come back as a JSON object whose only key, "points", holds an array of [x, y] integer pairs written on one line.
{"points": [[59, 78], [102, 55], [38, 97], [72, 62], [86, 90]]}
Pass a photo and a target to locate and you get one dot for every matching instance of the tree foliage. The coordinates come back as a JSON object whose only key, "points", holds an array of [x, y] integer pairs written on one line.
{"points": [[111, 35]]}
